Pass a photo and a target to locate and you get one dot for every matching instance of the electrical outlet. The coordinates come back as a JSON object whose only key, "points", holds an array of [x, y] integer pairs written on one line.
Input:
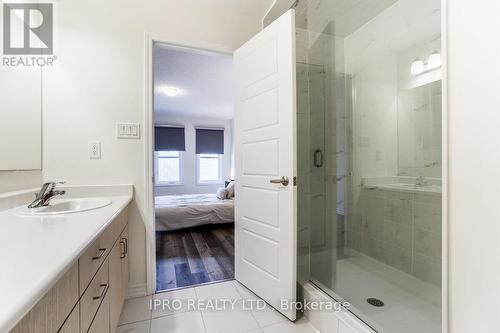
{"points": [[94, 150]]}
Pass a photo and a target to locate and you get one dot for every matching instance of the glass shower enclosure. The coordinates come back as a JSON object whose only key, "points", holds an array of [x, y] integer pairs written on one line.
{"points": [[369, 151]]}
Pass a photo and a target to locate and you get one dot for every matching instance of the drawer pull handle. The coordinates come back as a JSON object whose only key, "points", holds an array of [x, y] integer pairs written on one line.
{"points": [[318, 158], [126, 244], [104, 287], [124, 253], [101, 253]]}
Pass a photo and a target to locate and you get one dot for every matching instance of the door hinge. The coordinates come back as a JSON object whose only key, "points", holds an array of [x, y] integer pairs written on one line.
{"points": [[295, 181]]}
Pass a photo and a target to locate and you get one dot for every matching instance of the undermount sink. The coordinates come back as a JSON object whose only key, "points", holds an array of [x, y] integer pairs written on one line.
{"points": [[64, 206]]}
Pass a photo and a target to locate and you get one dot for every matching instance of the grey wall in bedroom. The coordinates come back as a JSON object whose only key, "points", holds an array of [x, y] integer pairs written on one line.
{"points": [[189, 162]]}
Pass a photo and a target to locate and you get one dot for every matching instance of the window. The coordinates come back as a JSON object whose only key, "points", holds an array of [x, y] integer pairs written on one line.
{"points": [[209, 168], [168, 166]]}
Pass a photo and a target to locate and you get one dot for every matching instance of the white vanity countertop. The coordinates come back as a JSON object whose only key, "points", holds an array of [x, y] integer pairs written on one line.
{"points": [[36, 251], [404, 184]]}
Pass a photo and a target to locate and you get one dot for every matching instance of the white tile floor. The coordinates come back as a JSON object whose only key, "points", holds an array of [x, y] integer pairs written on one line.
{"points": [[138, 316]]}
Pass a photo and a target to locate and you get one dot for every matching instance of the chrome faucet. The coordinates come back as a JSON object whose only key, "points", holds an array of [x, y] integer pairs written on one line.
{"points": [[46, 193], [421, 181]]}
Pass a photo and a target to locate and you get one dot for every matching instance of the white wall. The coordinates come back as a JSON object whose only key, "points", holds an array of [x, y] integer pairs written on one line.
{"points": [[189, 170], [474, 165], [98, 80], [19, 180]]}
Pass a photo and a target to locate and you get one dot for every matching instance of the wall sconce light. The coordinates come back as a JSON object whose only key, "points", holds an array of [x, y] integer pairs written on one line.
{"points": [[419, 67], [434, 60]]}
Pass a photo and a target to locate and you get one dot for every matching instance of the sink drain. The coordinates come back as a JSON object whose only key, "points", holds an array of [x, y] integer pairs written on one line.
{"points": [[375, 302]]}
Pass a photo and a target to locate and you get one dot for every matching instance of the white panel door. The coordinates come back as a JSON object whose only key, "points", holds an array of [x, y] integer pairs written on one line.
{"points": [[265, 209]]}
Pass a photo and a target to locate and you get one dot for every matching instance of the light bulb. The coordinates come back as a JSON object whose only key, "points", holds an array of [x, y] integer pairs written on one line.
{"points": [[417, 67], [434, 60], [171, 91]]}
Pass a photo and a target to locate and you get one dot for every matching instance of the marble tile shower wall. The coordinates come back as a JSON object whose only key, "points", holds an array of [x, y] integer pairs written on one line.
{"points": [[402, 230]]}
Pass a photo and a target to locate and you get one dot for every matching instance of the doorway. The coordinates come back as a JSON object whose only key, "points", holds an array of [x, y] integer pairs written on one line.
{"points": [[265, 164], [192, 166]]}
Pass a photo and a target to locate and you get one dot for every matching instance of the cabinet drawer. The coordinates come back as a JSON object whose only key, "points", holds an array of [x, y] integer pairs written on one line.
{"points": [[112, 233], [72, 324], [49, 313], [95, 255], [101, 320], [90, 262], [93, 296]]}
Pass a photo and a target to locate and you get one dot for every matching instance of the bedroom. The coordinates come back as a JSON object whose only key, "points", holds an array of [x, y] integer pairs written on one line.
{"points": [[193, 166]]}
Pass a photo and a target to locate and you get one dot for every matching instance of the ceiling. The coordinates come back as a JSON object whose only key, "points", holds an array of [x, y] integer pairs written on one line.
{"points": [[347, 15], [248, 7], [205, 80]]}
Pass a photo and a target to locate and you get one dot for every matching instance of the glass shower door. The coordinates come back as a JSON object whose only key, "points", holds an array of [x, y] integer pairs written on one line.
{"points": [[317, 192], [369, 158]]}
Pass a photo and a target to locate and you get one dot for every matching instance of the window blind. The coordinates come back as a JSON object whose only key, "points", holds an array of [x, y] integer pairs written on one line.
{"points": [[209, 141], [169, 139]]}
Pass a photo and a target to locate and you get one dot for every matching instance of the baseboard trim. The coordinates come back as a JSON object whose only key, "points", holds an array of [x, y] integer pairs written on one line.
{"points": [[136, 290]]}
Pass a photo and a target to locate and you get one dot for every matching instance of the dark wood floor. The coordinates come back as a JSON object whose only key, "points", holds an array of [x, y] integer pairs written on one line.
{"points": [[194, 256]]}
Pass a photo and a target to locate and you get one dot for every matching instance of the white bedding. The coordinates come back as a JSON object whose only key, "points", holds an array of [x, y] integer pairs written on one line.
{"points": [[189, 210]]}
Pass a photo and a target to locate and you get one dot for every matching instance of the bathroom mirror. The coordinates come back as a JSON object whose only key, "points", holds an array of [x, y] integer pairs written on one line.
{"points": [[20, 118], [419, 131]]}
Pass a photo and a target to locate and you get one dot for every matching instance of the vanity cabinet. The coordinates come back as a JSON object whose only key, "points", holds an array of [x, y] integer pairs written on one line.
{"points": [[51, 311], [93, 296], [118, 278], [72, 323], [90, 295], [101, 321]]}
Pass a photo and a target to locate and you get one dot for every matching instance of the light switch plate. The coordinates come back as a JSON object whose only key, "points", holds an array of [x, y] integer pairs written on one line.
{"points": [[128, 131], [94, 150]]}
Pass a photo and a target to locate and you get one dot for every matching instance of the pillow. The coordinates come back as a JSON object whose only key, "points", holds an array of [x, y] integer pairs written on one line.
{"points": [[230, 190], [221, 193]]}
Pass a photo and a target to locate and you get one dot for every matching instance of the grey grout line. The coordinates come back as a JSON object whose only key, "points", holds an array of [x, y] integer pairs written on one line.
{"points": [[150, 312], [261, 327], [134, 322], [242, 297], [201, 312]]}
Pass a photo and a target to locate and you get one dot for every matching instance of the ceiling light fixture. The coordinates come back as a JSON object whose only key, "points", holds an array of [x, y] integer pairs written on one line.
{"points": [[171, 91]]}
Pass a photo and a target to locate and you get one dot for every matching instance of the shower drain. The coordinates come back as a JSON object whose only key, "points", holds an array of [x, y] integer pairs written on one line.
{"points": [[375, 302]]}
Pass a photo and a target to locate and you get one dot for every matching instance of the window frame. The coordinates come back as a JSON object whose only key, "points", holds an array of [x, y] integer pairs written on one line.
{"points": [[181, 174], [209, 182]]}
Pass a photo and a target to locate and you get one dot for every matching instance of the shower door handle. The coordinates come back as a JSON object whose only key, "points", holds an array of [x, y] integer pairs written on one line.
{"points": [[283, 181], [318, 158]]}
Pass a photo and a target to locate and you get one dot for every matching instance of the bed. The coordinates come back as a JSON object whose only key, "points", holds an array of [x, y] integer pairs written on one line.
{"points": [[175, 212]]}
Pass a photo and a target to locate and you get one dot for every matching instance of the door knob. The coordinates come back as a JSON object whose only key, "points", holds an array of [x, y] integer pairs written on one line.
{"points": [[283, 181]]}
